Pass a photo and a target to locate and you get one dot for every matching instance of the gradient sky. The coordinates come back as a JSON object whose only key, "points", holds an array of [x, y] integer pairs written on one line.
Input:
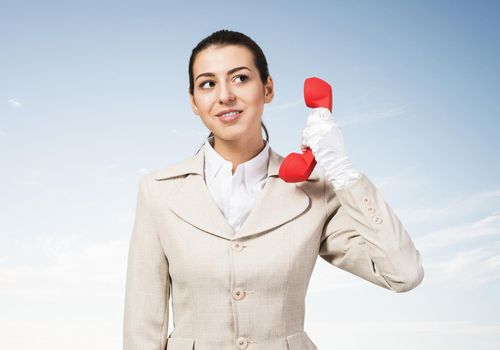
{"points": [[93, 95]]}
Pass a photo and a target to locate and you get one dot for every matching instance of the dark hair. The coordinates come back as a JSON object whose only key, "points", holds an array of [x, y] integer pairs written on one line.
{"points": [[226, 37]]}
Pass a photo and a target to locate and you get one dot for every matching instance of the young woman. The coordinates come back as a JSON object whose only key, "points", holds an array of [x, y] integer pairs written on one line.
{"points": [[232, 243]]}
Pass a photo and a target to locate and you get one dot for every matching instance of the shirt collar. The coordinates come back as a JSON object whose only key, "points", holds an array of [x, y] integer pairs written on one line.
{"points": [[254, 169]]}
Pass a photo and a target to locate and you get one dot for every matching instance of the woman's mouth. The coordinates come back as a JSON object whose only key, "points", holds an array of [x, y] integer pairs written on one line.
{"points": [[229, 117]]}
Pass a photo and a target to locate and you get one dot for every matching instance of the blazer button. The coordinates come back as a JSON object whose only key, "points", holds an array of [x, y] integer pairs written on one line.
{"points": [[238, 294], [237, 245], [366, 200], [241, 343], [377, 219]]}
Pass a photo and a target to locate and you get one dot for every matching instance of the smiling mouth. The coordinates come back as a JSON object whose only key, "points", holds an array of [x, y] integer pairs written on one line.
{"points": [[231, 114], [229, 117]]}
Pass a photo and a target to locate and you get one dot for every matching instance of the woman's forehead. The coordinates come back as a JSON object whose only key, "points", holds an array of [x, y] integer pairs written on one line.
{"points": [[221, 59]]}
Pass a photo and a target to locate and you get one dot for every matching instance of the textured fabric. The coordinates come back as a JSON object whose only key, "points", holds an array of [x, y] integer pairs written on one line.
{"points": [[235, 194], [246, 289]]}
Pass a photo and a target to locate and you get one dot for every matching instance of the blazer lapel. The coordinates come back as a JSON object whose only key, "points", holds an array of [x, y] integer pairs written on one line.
{"points": [[278, 203]]}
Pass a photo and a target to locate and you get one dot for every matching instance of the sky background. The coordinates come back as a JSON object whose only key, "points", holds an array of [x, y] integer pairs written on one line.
{"points": [[93, 95]]}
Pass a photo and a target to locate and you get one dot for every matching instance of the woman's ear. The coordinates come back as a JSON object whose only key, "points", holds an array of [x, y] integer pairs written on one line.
{"points": [[269, 90], [193, 104]]}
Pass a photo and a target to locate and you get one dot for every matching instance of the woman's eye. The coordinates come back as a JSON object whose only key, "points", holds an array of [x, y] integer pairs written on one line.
{"points": [[244, 76], [203, 83]]}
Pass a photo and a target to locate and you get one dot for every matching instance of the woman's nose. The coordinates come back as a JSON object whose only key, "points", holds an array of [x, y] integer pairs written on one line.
{"points": [[226, 94]]}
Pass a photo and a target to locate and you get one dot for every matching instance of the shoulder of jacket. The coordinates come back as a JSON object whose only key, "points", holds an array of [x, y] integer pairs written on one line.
{"points": [[150, 182], [180, 168]]}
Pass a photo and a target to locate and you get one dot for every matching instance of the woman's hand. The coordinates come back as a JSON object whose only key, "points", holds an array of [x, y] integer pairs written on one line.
{"points": [[324, 137]]}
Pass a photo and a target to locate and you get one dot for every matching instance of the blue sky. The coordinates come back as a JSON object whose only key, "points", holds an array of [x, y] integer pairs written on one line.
{"points": [[94, 94]]}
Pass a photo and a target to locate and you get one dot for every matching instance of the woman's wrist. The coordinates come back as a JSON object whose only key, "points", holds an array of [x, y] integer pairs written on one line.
{"points": [[345, 179], [340, 172]]}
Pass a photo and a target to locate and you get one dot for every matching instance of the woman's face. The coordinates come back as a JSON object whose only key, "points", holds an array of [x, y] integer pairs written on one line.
{"points": [[220, 84]]}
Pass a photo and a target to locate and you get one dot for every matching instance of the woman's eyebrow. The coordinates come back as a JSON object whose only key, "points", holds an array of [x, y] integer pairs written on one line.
{"points": [[209, 74]]}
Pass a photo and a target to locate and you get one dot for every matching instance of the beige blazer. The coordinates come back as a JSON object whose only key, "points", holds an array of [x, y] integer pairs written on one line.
{"points": [[246, 289]]}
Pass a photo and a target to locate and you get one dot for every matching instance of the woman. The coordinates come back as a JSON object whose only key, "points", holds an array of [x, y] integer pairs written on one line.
{"points": [[232, 243]]}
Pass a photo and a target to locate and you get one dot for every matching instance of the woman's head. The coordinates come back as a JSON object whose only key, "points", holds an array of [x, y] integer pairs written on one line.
{"points": [[217, 82]]}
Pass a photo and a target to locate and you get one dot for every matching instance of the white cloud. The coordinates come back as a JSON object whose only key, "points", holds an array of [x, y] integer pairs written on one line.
{"points": [[486, 227], [372, 115], [14, 103], [403, 184], [284, 106], [75, 273], [377, 327], [410, 335], [454, 207], [80, 292], [190, 131], [467, 269], [327, 277]]}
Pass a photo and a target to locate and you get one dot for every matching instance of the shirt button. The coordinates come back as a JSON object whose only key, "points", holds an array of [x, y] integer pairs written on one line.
{"points": [[238, 294], [366, 200], [237, 245], [370, 210], [241, 342], [377, 219]]}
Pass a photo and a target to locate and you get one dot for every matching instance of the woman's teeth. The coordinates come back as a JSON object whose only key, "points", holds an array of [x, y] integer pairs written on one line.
{"points": [[230, 114], [230, 117]]}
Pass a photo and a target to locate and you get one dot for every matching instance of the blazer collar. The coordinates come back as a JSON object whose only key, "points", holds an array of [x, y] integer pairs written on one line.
{"points": [[253, 170], [278, 203]]}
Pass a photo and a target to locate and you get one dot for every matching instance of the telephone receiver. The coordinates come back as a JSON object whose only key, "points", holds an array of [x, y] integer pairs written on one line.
{"points": [[297, 167]]}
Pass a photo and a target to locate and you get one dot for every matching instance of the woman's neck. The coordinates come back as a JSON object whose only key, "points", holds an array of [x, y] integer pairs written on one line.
{"points": [[238, 151]]}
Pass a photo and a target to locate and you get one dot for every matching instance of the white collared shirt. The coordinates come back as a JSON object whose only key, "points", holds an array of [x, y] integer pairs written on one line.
{"points": [[235, 195]]}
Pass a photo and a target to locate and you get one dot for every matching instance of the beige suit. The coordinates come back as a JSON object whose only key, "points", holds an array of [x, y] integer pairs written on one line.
{"points": [[246, 289]]}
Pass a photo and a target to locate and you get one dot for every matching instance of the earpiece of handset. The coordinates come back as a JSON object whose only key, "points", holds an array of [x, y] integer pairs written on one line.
{"points": [[298, 167]]}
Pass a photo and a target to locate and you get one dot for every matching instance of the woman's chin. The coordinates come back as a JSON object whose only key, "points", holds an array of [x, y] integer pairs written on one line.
{"points": [[231, 135]]}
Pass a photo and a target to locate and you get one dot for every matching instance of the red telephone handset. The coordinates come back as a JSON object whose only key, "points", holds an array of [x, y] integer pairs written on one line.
{"points": [[297, 167]]}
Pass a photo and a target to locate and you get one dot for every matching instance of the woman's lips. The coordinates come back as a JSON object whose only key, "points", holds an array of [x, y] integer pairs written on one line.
{"points": [[230, 118]]}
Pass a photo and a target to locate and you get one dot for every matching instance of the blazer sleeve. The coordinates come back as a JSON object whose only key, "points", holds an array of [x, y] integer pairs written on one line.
{"points": [[147, 285], [363, 235]]}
